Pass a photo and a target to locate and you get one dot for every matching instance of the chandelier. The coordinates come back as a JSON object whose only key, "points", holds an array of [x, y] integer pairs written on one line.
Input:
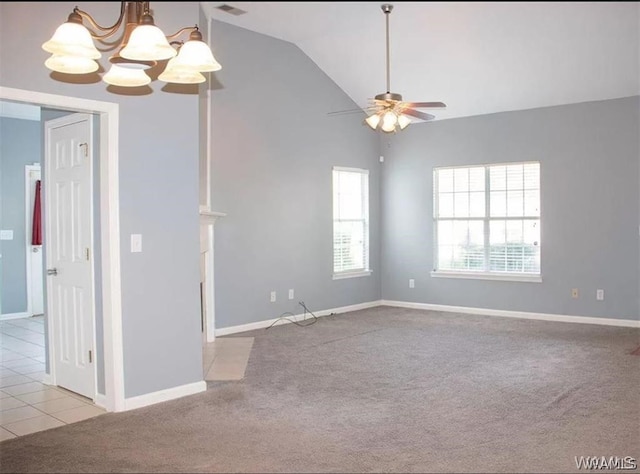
{"points": [[142, 46]]}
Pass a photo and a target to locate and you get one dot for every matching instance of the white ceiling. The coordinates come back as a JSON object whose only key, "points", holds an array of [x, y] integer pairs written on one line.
{"points": [[477, 57]]}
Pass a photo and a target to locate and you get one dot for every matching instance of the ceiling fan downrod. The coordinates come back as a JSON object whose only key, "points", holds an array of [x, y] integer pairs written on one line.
{"points": [[387, 8]]}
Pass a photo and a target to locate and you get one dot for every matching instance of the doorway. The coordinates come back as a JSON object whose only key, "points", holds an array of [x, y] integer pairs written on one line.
{"points": [[33, 244], [107, 163]]}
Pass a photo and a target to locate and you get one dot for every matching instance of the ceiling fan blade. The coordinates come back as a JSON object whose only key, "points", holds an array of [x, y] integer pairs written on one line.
{"points": [[344, 112], [418, 114], [425, 104]]}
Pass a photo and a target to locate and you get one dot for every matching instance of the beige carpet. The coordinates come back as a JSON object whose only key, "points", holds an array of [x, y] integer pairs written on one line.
{"points": [[380, 390]]}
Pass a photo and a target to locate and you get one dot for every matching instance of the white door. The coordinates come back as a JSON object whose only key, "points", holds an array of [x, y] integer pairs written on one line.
{"points": [[34, 252], [68, 242]]}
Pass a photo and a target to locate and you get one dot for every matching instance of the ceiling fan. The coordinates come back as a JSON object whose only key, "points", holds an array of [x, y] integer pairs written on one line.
{"points": [[388, 111]]}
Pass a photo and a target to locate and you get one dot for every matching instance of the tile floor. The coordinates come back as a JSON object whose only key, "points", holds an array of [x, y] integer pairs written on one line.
{"points": [[226, 358], [26, 404]]}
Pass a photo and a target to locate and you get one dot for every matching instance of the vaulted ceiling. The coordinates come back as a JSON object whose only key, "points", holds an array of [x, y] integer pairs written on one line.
{"points": [[477, 57]]}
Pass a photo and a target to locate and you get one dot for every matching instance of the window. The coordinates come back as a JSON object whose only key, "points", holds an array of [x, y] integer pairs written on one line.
{"points": [[487, 221], [350, 222]]}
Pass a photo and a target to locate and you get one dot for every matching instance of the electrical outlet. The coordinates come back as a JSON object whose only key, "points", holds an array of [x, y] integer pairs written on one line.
{"points": [[412, 283], [574, 293], [600, 295], [291, 294], [273, 296]]}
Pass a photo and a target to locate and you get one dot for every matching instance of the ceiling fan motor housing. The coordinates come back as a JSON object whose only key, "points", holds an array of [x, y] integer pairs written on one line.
{"points": [[389, 96]]}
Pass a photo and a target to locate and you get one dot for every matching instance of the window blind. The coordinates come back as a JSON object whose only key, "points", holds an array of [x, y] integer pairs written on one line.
{"points": [[350, 220], [487, 218]]}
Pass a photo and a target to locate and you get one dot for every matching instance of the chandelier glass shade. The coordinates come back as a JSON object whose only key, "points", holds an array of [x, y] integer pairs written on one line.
{"points": [[71, 64], [125, 76], [142, 46], [72, 39], [179, 75], [147, 43]]}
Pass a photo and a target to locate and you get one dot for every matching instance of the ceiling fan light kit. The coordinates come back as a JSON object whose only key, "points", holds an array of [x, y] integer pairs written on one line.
{"points": [[141, 47], [390, 112]]}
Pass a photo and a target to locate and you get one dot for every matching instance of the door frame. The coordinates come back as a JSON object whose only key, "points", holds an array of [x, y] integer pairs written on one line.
{"points": [[52, 322], [108, 165], [28, 223]]}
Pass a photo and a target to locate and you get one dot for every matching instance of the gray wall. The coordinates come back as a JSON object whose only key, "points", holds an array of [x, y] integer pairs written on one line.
{"points": [[20, 145], [589, 180], [158, 159], [273, 150]]}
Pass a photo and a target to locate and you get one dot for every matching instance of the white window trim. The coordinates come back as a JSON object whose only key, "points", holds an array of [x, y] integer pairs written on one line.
{"points": [[530, 278], [359, 273], [480, 275], [366, 271], [352, 170]]}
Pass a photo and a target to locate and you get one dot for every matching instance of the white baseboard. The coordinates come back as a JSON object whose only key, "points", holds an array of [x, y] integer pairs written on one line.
{"points": [[439, 307], [6, 317], [100, 400], [164, 395], [265, 324], [515, 314], [47, 379]]}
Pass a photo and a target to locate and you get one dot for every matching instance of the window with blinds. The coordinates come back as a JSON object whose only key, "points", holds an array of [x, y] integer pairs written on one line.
{"points": [[350, 222], [487, 219]]}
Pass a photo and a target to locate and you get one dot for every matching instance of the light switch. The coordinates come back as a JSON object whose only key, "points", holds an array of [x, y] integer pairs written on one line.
{"points": [[136, 243], [6, 235]]}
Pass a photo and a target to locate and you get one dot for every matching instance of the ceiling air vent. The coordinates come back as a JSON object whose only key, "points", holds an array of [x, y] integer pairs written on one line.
{"points": [[229, 9]]}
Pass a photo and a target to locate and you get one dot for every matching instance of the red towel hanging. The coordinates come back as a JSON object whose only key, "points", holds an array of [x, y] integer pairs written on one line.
{"points": [[36, 231]]}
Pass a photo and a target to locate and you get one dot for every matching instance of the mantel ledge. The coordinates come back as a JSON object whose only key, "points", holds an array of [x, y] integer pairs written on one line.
{"points": [[210, 217]]}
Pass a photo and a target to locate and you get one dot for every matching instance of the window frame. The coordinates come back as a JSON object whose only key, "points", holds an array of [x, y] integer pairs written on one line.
{"points": [[484, 274], [366, 270]]}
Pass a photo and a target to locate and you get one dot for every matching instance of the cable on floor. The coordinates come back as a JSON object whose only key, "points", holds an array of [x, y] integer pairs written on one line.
{"points": [[303, 323]]}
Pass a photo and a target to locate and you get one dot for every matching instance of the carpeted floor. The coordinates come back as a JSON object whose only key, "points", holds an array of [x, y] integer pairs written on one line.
{"points": [[380, 390]]}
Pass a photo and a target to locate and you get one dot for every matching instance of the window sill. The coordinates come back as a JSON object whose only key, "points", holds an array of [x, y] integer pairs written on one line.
{"points": [[488, 276], [342, 276]]}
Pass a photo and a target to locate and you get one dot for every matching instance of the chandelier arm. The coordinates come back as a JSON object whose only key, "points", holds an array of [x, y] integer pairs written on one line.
{"points": [[108, 31], [182, 30]]}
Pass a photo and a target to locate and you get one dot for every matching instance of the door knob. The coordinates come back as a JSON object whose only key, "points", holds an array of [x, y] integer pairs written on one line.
{"points": [[52, 271]]}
